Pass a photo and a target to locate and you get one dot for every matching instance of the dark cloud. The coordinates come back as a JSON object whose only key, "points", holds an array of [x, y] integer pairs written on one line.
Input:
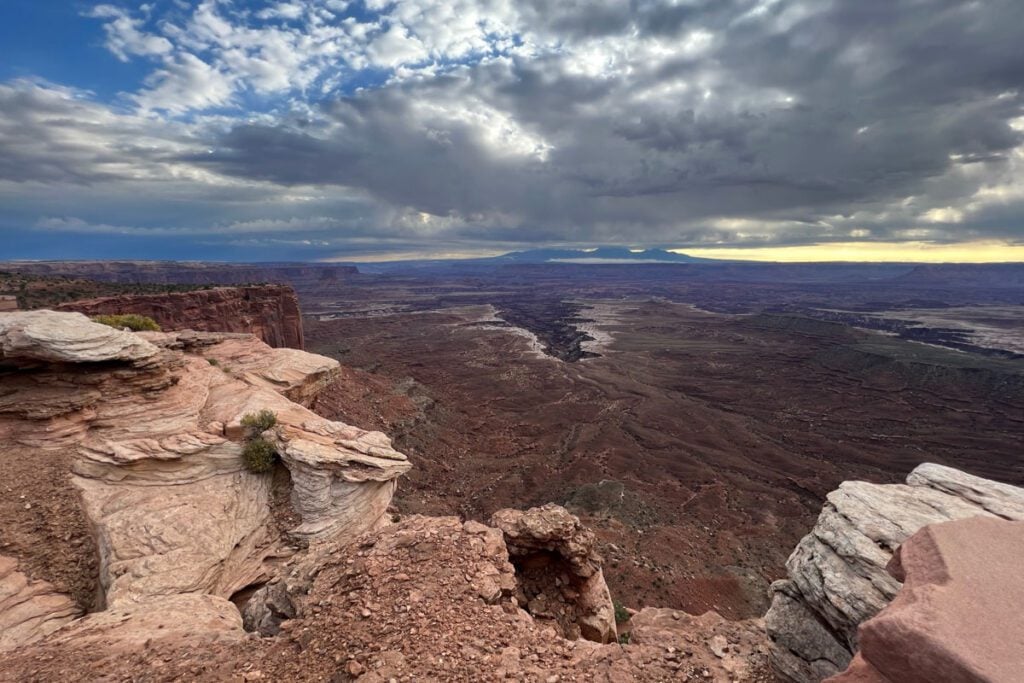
{"points": [[736, 121]]}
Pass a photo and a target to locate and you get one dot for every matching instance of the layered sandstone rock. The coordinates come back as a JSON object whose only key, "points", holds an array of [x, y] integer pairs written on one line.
{"points": [[154, 425], [270, 312], [29, 610], [957, 617], [559, 570], [837, 574]]}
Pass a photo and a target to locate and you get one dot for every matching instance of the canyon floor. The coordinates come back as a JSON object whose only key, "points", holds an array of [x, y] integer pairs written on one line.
{"points": [[699, 445]]}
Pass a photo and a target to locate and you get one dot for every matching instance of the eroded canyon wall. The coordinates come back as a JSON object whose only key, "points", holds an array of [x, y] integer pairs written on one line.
{"points": [[270, 312]]}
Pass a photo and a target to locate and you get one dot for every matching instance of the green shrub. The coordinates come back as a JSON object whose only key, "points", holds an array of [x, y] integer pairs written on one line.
{"points": [[624, 639], [621, 615], [132, 321], [258, 455], [259, 422], [214, 362]]}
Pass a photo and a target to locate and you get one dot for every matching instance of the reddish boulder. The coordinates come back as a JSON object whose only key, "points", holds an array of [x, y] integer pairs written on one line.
{"points": [[958, 616], [271, 312]]}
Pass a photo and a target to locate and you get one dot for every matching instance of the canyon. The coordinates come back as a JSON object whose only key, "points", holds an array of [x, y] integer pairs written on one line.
{"points": [[675, 449]]}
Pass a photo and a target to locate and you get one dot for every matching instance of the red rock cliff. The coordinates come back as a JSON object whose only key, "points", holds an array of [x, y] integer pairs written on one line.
{"points": [[271, 312]]}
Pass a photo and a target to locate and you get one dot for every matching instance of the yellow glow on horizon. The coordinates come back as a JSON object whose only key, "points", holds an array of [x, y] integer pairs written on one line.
{"points": [[381, 256], [922, 252]]}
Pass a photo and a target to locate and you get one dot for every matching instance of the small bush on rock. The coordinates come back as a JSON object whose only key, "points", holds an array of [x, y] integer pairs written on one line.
{"points": [[133, 321], [258, 455], [257, 423], [621, 613]]}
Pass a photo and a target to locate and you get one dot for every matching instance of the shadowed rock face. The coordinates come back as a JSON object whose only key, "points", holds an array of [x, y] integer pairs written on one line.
{"points": [[957, 617], [154, 425], [837, 574], [270, 312]]}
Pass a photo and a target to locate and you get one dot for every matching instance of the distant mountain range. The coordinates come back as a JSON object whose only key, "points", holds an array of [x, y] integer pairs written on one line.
{"points": [[598, 255]]}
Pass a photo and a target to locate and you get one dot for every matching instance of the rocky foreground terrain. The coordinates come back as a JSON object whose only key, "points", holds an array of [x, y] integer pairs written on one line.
{"points": [[136, 545]]}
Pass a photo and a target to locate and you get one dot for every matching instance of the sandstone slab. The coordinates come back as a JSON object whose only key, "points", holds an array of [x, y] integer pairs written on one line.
{"points": [[837, 574], [67, 338], [958, 616], [29, 610]]}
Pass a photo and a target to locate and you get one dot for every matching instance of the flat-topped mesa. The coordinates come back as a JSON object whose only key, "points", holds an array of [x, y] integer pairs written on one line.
{"points": [[154, 422], [837, 574], [270, 312]]}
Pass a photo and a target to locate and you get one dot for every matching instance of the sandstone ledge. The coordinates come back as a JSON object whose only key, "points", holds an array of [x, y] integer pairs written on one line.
{"points": [[837, 574], [157, 460]]}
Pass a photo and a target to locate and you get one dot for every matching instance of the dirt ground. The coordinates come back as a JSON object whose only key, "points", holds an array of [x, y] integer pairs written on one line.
{"points": [[42, 523]]}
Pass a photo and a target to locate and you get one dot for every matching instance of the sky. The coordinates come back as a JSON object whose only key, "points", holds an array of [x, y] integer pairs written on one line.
{"points": [[334, 129]]}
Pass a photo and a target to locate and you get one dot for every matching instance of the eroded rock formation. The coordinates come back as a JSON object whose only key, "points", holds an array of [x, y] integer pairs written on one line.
{"points": [[559, 571], [957, 617], [270, 312], [837, 574], [180, 524]]}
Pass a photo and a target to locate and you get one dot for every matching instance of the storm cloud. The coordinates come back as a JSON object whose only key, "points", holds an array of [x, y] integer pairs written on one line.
{"points": [[482, 123]]}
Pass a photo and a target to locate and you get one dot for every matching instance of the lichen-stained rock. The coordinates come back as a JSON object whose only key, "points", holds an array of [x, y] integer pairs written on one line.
{"points": [[156, 431], [837, 573], [958, 616], [29, 610], [67, 338], [559, 570]]}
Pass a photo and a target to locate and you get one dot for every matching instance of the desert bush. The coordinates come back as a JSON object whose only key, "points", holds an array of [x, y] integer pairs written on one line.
{"points": [[133, 321], [258, 455], [621, 615], [259, 422]]}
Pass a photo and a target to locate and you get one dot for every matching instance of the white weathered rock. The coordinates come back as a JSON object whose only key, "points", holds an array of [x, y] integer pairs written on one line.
{"points": [[837, 573], [67, 338], [29, 610]]}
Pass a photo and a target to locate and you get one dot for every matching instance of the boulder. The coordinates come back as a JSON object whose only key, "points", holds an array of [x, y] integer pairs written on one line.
{"points": [[837, 574], [67, 338], [957, 617], [559, 570]]}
